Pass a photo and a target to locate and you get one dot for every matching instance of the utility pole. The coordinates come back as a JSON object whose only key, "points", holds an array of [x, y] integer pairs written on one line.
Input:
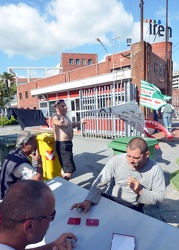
{"points": [[166, 32], [141, 19], [168, 87]]}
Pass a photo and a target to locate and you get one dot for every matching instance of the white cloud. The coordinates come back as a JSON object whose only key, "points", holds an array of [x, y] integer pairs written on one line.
{"points": [[64, 25]]}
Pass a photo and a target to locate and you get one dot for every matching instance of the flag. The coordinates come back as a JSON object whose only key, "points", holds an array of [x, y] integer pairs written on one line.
{"points": [[129, 112], [151, 96]]}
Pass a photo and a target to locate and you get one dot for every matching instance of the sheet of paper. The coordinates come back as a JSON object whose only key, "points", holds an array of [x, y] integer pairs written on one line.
{"points": [[123, 242]]}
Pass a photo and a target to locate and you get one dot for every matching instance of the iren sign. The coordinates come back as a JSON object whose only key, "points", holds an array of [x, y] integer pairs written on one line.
{"points": [[155, 28]]}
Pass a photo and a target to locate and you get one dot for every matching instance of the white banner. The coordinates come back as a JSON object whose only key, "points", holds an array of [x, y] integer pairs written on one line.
{"points": [[129, 112]]}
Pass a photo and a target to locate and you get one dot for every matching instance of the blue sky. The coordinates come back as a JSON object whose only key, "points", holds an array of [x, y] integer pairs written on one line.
{"points": [[34, 33]]}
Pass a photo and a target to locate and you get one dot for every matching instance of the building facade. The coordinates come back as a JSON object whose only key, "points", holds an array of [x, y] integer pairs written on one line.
{"points": [[100, 84]]}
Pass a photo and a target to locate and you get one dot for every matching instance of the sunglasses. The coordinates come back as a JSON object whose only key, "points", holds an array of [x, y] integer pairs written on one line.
{"points": [[51, 217]]}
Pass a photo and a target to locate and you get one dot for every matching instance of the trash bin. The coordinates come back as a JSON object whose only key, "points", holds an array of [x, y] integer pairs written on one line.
{"points": [[7, 143], [46, 147], [119, 145]]}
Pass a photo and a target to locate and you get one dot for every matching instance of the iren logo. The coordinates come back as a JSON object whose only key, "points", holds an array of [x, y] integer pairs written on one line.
{"points": [[155, 28]]}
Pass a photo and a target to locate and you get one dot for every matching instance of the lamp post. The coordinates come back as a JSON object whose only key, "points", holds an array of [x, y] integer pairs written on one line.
{"points": [[98, 40]]}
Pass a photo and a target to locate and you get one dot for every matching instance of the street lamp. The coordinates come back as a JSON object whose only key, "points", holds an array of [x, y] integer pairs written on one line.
{"points": [[98, 40]]}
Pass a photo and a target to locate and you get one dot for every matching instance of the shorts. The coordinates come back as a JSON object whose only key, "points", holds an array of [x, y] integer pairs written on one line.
{"points": [[65, 155]]}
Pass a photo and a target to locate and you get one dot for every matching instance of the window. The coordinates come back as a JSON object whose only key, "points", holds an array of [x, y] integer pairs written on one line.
{"points": [[77, 104], [20, 96], [26, 94], [71, 61], [83, 62], [72, 105], [89, 61], [44, 107], [77, 61], [51, 107]]}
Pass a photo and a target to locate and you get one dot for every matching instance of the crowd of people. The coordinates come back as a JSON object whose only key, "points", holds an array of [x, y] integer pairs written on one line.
{"points": [[132, 179]]}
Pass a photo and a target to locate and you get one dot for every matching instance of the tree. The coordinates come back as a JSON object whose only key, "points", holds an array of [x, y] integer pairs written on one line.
{"points": [[7, 88]]}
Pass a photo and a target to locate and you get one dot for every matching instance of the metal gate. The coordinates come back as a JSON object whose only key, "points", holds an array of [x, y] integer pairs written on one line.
{"points": [[105, 125]]}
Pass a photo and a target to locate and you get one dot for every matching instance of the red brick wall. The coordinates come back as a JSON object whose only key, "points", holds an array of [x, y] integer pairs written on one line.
{"points": [[67, 56], [29, 102], [155, 68], [136, 57]]}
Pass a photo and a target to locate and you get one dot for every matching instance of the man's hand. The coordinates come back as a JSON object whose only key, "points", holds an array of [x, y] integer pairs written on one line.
{"points": [[134, 185], [36, 156], [83, 205], [61, 122], [83, 121], [65, 241]]}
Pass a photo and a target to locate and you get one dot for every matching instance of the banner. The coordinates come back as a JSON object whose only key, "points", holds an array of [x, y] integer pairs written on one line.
{"points": [[129, 112], [155, 125], [151, 96]]}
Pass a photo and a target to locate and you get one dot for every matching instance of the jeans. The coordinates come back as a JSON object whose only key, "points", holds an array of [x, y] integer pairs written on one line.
{"points": [[167, 121]]}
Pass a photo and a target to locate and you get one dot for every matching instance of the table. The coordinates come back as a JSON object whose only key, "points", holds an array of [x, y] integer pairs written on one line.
{"points": [[150, 233]]}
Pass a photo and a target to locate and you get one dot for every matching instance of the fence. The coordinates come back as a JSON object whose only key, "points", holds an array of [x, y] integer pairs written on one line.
{"points": [[102, 124]]}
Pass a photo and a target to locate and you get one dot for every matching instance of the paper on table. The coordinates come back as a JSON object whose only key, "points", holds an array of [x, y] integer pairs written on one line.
{"points": [[123, 242]]}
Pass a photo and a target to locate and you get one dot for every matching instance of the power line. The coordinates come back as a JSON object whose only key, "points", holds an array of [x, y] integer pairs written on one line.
{"points": [[175, 44]]}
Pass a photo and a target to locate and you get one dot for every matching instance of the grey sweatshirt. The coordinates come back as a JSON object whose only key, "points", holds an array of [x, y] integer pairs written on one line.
{"points": [[113, 181]]}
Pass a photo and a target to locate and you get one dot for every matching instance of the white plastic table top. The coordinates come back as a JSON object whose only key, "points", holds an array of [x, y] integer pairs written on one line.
{"points": [[150, 233]]}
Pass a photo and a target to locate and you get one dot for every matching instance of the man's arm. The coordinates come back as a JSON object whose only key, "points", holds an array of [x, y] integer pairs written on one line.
{"points": [[98, 185], [26, 171], [38, 159], [58, 122], [65, 241], [75, 124]]}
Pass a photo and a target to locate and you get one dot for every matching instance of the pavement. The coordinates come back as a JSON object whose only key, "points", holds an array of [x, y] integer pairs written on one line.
{"points": [[91, 154]]}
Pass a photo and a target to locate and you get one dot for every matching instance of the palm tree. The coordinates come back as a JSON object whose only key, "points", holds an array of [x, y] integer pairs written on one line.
{"points": [[7, 88]]}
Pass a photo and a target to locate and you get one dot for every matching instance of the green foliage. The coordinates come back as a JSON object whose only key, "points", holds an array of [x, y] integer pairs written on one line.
{"points": [[177, 161], [7, 88], [5, 121]]}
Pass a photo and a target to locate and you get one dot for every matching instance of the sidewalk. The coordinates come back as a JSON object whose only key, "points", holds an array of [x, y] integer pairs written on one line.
{"points": [[91, 154]]}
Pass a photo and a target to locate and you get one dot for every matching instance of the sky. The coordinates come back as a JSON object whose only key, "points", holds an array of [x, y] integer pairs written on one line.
{"points": [[34, 33]]}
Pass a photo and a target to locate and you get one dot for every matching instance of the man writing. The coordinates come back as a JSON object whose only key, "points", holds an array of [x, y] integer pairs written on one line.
{"points": [[63, 135], [131, 179], [17, 165]]}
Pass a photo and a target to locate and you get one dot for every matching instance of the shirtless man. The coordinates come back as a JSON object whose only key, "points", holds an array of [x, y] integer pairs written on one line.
{"points": [[63, 135]]}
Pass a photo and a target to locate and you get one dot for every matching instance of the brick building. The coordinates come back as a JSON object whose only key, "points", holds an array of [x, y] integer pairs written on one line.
{"points": [[81, 75]]}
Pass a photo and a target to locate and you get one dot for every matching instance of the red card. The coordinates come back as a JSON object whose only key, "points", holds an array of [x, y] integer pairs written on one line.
{"points": [[92, 222], [74, 221]]}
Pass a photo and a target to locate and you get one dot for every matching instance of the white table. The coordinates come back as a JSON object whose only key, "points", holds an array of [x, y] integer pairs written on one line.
{"points": [[150, 233]]}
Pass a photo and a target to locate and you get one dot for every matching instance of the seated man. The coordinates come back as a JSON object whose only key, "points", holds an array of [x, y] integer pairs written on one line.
{"points": [[131, 179], [17, 165], [27, 210]]}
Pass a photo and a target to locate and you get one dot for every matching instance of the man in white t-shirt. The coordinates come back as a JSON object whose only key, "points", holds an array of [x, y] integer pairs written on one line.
{"points": [[167, 115], [17, 165]]}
